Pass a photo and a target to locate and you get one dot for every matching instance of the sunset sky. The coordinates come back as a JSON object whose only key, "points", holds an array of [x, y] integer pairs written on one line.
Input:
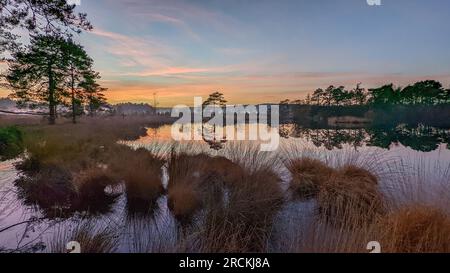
{"points": [[262, 51]]}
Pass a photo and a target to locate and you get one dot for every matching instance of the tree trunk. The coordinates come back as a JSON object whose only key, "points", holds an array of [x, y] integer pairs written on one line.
{"points": [[74, 114], [91, 108]]}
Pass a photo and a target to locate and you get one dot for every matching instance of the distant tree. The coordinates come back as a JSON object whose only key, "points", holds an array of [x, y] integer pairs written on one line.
{"points": [[386, 94], [215, 98], [424, 92], [327, 97], [308, 99], [55, 17], [428, 92], [446, 96], [359, 95], [338, 96], [317, 96], [37, 73]]}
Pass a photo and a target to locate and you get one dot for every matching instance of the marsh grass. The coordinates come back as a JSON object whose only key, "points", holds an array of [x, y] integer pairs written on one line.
{"points": [[92, 238], [67, 167], [231, 200], [244, 222], [193, 178], [156, 233], [308, 175], [350, 196], [416, 229], [141, 173]]}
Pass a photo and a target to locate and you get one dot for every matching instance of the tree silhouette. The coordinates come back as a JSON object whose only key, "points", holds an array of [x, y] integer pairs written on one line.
{"points": [[55, 17], [92, 91], [77, 65], [424, 92], [358, 95], [37, 74], [215, 98], [386, 94], [54, 70], [427, 92], [317, 96]]}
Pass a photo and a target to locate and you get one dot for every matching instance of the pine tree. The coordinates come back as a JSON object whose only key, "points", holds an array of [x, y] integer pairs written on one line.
{"points": [[215, 98], [78, 64], [43, 17], [37, 74], [93, 92]]}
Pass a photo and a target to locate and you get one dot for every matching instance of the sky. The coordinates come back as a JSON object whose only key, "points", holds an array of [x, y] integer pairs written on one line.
{"points": [[258, 51]]}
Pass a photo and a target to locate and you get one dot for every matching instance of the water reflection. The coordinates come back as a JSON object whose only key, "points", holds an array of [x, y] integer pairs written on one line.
{"points": [[419, 138]]}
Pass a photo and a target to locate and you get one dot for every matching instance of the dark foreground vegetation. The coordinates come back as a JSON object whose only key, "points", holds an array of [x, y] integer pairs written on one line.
{"points": [[229, 202], [11, 142]]}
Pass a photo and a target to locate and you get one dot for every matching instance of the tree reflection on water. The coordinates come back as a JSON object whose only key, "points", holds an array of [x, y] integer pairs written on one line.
{"points": [[420, 138]]}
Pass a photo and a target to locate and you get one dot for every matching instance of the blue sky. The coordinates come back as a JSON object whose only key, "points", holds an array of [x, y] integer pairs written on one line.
{"points": [[259, 50]]}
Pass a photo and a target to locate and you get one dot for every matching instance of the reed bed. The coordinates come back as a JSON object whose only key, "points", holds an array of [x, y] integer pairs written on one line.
{"points": [[91, 237], [185, 197]]}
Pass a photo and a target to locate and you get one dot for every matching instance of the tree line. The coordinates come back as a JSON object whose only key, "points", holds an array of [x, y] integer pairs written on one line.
{"points": [[52, 68], [427, 92]]}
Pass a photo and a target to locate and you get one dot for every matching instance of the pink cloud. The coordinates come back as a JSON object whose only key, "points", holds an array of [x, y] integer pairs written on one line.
{"points": [[178, 23], [136, 51]]}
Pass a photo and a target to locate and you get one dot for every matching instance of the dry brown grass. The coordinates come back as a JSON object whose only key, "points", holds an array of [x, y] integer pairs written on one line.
{"points": [[92, 239], [141, 173], [91, 196], [359, 174], [183, 201], [192, 178], [351, 193], [236, 206], [21, 120], [184, 168], [416, 229], [308, 175], [244, 222]]}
